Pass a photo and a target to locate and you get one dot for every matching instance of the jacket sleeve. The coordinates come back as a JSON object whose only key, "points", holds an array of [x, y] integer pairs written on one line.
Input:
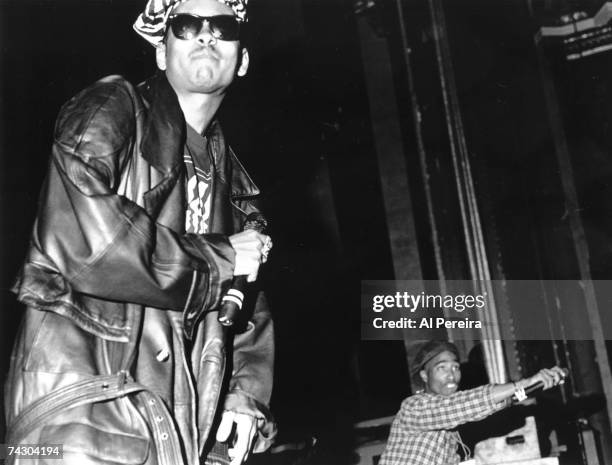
{"points": [[103, 244], [250, 386]]}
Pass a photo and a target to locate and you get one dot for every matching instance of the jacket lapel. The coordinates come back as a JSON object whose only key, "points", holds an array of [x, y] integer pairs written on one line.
{"points": [[232, 184], [164, 132], [162, 147], [242, 184]]}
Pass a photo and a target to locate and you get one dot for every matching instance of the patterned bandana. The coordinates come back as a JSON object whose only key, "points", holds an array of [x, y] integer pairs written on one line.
{"points": [[151, 24]]}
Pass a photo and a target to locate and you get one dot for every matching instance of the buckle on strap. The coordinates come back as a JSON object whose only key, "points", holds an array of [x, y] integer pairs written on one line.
{"points": [[122, 378]]}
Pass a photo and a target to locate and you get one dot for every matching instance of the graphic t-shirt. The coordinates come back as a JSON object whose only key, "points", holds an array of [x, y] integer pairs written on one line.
{"points": [[199, 182]]}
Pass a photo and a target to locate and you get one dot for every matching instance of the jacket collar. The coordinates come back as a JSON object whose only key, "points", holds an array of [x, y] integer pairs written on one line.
{"points": [[165, 132]]}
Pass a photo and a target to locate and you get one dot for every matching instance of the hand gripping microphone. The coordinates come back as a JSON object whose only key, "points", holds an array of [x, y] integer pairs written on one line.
{"points": [[535, 389], [232, 301]]}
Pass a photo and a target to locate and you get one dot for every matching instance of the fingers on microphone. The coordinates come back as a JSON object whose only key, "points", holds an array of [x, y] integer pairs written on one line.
{"points": [[265, 248], [255, 248], [555, 375], [547, 378], [265, 242]]}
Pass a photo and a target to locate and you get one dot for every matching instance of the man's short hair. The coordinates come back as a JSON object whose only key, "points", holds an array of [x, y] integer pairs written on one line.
{"points": [[151, 23]]}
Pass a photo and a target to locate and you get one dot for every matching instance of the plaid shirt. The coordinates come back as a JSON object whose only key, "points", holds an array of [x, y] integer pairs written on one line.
{"points": [[422, 431]]}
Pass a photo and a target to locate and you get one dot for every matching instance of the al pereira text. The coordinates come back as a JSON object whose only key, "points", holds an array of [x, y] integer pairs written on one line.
{"points": [[426, 323]]}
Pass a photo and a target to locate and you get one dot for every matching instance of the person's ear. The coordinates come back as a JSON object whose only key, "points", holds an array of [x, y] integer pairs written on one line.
{"points": [[423, 375], [160, 56], [244, 63]]}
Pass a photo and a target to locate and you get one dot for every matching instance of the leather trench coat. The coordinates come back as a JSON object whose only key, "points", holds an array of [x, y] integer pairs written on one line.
{"points": [[120, 356]]}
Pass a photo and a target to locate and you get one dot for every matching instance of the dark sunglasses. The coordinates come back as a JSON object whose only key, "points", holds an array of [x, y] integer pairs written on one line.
{"points": [[187, 26]]}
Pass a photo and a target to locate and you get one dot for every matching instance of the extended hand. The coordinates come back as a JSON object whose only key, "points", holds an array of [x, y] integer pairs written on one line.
{"points": [[251, 250], [549, 377], [246, 428]]}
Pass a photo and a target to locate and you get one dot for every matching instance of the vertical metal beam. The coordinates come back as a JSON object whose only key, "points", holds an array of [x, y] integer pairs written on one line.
{"points": [[389, 147], [388, 142], [580, 242], [474, 238], [416, 116]]}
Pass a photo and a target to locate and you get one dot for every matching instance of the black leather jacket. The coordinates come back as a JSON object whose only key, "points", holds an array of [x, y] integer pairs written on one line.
{"points": [[112, 282]]}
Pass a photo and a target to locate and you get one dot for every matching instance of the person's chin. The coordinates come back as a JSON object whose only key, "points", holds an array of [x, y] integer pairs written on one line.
{"points": [[203, 78]]}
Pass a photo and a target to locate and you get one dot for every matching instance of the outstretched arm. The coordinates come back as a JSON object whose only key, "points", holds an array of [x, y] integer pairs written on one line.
{"points": [[549, 377], [429, 412]]}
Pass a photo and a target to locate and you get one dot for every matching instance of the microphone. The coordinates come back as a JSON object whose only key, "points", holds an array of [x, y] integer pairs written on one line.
{"points": [[535, 389], [231, 303]]}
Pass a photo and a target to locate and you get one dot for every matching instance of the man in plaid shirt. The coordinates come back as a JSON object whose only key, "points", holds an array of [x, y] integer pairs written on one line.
{"points": [[423, 432]]}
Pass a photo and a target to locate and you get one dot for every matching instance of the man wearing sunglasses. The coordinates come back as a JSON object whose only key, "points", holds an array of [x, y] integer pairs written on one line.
{"points": [[121, 357]]}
